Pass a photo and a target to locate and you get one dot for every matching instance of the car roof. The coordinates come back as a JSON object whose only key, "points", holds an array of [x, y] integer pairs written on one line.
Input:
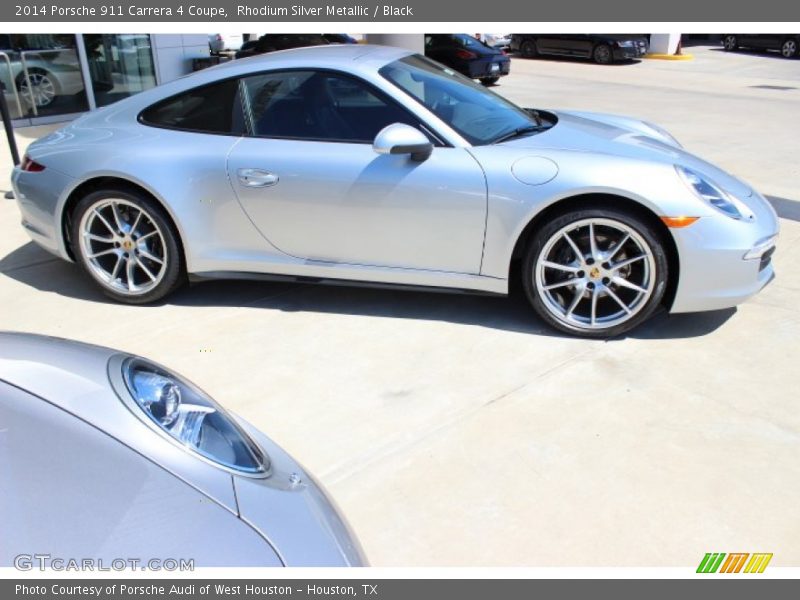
{"points": [[351, 56]]}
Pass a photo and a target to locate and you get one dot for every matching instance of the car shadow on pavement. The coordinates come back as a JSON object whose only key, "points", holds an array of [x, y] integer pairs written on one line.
{"points": [[578, 60], [34, 267], [786, 209], [753, 53]]}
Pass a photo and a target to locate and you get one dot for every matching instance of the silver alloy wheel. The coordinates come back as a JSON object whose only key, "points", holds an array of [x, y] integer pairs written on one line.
{"points": [[789, 48], [595, 274], [42, 90], [729, 43], [123, 246]]}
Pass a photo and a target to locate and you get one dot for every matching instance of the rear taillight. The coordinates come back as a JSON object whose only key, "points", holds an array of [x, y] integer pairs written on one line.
{"points": [[31, 166], [466, 55]]}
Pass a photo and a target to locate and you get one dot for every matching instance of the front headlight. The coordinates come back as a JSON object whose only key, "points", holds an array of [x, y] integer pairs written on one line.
{"points": [[190, 417], [625, 44], [707, 190]]}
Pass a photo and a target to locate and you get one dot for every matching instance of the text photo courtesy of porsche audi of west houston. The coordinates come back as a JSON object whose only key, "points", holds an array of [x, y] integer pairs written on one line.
{"points": [[409, 310]]}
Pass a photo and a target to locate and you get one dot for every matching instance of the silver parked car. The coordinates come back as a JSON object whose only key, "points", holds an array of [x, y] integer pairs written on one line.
{"points": [[374, 164], [107, 456]]}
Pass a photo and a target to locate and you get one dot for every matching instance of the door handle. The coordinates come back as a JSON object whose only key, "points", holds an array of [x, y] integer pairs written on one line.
{"points": [[256, 178]]}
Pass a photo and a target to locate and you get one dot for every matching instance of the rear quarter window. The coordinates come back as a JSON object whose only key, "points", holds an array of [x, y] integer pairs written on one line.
{"points": [[213, 108]]}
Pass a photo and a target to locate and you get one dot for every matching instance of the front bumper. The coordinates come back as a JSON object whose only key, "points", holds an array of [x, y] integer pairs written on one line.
{"points": [[629, 52], [714, 273], [292, 511]]}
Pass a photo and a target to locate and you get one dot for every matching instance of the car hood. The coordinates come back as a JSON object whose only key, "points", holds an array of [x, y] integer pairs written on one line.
{"points": [[621, 136]]}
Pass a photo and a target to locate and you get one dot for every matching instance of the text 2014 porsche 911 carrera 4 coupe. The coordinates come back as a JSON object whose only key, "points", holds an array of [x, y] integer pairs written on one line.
{"points": [[374, 164]]}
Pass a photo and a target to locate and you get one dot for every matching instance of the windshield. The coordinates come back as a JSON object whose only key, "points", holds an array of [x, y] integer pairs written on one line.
{"points": [[480, 116]]}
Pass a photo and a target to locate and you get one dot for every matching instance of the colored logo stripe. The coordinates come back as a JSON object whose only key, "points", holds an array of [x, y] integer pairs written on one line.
{"points": [[734, 562], [711, 562], [758, 563]]}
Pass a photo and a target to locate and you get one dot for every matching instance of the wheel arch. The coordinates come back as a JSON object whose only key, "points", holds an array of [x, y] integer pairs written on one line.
{"points": [[593, 200], [98, 182]]}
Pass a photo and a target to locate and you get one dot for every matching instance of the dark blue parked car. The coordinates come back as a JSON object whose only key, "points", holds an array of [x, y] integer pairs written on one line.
{"points": [[468, 55]]}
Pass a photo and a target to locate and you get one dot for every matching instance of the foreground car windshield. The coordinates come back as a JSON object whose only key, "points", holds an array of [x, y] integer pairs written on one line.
{"points": [[479, 115]]}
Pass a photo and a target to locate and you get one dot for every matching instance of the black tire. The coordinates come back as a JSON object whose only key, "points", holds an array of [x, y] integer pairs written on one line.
{"points": [[174, 272], [603, 54], [789, 48], [730, 43], [529, 49], [546, 232], [487, 81]]}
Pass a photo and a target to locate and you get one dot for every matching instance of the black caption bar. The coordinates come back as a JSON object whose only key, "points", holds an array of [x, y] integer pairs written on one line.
{"points": [[394, 589], [625, 11]]}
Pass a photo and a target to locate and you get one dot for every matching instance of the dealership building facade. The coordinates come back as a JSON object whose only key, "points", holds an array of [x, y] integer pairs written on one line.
{"points": [[55, 77], [48, 78]]}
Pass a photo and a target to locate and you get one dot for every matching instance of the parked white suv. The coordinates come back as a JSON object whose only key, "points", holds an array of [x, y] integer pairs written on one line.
{"points": [[219, 42]]}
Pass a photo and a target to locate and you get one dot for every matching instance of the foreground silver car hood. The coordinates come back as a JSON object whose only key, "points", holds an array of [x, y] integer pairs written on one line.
{"points": [[288, 508], [625, 137]]}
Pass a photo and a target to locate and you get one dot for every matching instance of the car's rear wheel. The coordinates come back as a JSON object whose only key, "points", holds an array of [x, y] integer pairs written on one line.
{"points": [[730, 43], [789, 48], [529, 49], [126, 243], [43, 89], [595, 272], [487, 81], [602, 54]]}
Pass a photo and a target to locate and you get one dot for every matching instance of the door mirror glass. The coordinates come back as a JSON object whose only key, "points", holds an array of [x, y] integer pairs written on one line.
{"points": [[399, 138]]}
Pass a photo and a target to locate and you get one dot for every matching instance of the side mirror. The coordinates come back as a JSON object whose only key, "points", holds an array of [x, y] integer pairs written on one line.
{"points": [[399, 138]]}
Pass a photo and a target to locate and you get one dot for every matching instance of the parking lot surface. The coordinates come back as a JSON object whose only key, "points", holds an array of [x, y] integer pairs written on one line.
{"points": [[459, 430]]}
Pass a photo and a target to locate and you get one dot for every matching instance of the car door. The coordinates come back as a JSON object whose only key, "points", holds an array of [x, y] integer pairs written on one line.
{"points": [[547, 44], [310, 181], [575, 45]]}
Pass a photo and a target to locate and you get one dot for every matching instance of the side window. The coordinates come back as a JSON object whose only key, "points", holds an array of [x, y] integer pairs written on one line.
{"points": [[318, 106], [213, 108]]}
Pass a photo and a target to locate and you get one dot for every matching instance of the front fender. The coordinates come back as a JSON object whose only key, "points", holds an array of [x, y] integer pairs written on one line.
{"points": [[513, 204]]}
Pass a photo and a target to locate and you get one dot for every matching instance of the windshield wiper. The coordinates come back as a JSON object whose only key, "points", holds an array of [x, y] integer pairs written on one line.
{"points": [[536, 116], [518, 132]]}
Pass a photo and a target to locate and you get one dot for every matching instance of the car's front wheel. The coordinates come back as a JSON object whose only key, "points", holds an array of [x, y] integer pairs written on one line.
{"points": [[595, 272], [126, 243], [730, 43], [789, 48], [603, 55]]}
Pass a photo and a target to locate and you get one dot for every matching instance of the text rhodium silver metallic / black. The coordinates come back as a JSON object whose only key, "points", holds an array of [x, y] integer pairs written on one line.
{"points": [[302, 10], [376, 165]]}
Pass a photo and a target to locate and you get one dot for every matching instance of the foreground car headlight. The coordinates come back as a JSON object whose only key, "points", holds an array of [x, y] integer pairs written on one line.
{"points": [[625, 44], [190, 417], [708, 191]]}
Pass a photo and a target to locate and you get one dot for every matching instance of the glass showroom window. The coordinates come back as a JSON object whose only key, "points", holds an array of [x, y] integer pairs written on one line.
{"points": [[40, 74], [120, 65]]}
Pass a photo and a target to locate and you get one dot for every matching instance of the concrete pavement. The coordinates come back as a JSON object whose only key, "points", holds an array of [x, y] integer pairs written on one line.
{"points": [[459, 430]]}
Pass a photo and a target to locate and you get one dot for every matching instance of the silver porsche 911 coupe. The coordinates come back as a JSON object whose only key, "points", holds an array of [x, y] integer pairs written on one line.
{"points": [[107, 457], [376, 165]]}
